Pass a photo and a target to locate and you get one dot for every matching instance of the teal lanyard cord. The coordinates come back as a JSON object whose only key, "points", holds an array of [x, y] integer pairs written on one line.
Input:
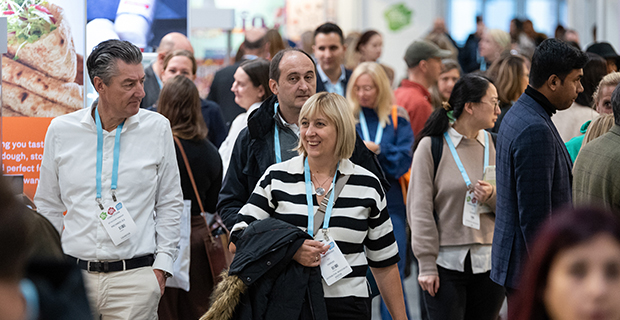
{"points": [[276, 135], [457, 159], [330, 203], [117, 151], [364, 126]]}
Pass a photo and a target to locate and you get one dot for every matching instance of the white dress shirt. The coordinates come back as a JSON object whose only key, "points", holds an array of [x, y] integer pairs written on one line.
{"points": [[240, 122], [148, 185]]}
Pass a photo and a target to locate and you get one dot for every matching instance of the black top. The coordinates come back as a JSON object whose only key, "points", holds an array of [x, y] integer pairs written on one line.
{"points": [[207, 169], [151, 88], [540, 98]]}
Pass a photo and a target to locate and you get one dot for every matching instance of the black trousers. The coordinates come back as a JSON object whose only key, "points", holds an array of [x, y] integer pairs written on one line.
{"points": [[464, 296], [348, 308]]}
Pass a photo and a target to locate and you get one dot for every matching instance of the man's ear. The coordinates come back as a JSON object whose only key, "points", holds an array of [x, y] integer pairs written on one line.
{"points": [[160, 58], [553, 82], [423, 65], [98, 84], [273, 85]]}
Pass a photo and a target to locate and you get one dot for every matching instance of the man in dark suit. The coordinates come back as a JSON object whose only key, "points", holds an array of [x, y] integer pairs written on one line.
{"points": [[329, 52], [254, 46], [152, 84], [533, 167]]}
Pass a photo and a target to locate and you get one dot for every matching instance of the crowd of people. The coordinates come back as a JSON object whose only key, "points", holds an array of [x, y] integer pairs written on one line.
{"points": [[331, 182]]}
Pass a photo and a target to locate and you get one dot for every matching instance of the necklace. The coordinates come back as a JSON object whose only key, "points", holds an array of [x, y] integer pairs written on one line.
{"points": [[320, 190]]}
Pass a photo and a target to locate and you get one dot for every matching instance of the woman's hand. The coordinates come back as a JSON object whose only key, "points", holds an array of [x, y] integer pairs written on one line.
{"points": [[372, 146], [309, 254], [429, 283], [483, 191]]}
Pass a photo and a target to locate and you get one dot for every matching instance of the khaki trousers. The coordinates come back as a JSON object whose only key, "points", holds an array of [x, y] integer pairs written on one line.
{"points": [[123, 295]]}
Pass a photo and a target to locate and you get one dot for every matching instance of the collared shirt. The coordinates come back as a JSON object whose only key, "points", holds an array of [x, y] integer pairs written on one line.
{"points": [[416, 99], [148, 185], [292, 126], [550, 109], [453, 257], [337, 87]]}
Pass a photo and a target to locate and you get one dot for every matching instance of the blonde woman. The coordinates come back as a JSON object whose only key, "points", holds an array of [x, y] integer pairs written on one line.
{"points": [[370, 98], [601, 100], [355, 223], [491, 46], [511, 75]]}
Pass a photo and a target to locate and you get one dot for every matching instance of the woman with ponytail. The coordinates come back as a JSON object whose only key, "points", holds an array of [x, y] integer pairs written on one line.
{"points": [[451, 204]]}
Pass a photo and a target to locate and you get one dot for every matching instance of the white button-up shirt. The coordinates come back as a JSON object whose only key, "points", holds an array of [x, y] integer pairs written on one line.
{"points": [[148, 185]]}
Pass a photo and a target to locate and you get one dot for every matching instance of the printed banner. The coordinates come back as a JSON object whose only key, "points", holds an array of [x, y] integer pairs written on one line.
{"points": [[42, 77]]}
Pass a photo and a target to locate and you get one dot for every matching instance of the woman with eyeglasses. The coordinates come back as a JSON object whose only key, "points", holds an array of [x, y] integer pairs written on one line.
{"points": [[451, 204], [388, 134]]}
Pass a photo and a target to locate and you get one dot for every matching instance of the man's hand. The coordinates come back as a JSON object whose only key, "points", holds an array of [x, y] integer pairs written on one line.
{"points": [[309, 254], [161, 278], [429, 283]]}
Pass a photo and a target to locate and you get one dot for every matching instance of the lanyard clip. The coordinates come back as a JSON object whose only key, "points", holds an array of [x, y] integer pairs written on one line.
{"points": [[99, 203], [114, 195], [325, 236]]}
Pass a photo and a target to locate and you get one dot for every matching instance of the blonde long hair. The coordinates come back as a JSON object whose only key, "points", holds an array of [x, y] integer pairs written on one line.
{"points": [[598, 127], [385, 97]]}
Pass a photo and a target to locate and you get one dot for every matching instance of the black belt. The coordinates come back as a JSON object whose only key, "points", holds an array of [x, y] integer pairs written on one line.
{"points": [[112, 266]]}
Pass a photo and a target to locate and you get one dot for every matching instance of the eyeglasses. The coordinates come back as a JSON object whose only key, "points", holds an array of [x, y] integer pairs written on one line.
{"points": [[495, 103]]}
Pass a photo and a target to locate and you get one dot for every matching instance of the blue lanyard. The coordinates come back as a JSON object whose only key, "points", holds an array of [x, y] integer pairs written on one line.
{"points": [[117, 151], [276, 135], [330, 203], [459, 164], [365, 133]]}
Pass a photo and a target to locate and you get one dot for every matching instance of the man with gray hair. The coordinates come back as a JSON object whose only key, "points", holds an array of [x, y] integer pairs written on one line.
{"points": [[596, 173], [112, 167]]}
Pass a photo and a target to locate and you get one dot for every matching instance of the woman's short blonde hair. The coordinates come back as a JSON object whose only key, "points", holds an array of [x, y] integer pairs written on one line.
{"points": [[501, 37], [598, 127], [335, 108], [384, 91], [611, 80]]}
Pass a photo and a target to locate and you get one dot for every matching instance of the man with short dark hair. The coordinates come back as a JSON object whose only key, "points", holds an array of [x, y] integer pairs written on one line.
{"points": [[597, 169], [273, 132], [254, 46], [423, 60], [533, 166], [329, 52], [152, 83], [112, 167]]}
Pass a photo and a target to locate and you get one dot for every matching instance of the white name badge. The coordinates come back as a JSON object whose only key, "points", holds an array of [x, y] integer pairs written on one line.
{"points": [[471, 218], [333, 264], [117, 222], [489, 175]]}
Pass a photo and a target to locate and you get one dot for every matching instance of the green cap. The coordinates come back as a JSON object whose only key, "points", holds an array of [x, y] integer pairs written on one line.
{"points": [[423, 50]]}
